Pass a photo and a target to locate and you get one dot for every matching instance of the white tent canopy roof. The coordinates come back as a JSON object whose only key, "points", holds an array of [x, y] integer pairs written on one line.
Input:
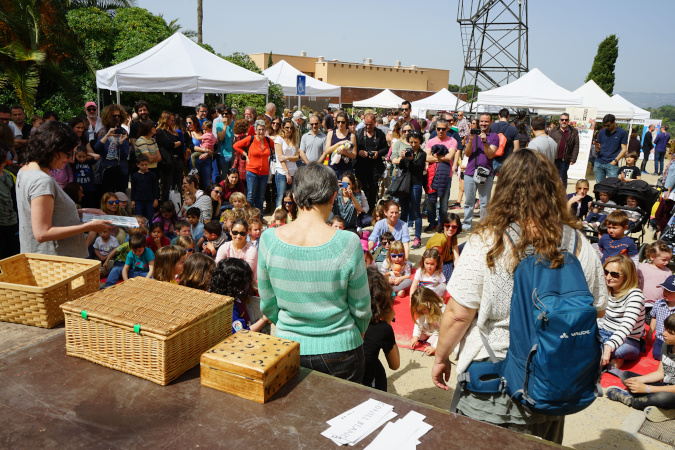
{"points": [[532, 90], [385, 99], [442, 100], [177, 64], [595, 97], [286, 76], [639, 113]]}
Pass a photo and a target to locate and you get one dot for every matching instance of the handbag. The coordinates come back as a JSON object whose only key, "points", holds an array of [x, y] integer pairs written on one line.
{"points": [[400, 184], [480, 176]]}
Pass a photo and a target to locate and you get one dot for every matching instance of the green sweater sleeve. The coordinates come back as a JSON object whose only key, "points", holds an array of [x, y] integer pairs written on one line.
{"points": [[268, 301]]}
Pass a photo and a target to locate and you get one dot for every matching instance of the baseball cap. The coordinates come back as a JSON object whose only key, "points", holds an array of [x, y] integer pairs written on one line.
{"points": [[88, 104], [121, 196], [669, 284], [299, 114]]}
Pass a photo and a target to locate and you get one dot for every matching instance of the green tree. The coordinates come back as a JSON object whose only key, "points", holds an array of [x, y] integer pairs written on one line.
{"points": [[453, 87], [270, 61], [241, 101], [602, 71], [665, 113]]}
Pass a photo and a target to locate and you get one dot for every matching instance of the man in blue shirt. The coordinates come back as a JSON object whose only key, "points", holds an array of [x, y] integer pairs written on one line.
{"points": [[660, 143], [613, 145]]}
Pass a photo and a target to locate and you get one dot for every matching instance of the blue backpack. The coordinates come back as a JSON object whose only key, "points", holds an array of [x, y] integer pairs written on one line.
{"points": [[552, 365]]}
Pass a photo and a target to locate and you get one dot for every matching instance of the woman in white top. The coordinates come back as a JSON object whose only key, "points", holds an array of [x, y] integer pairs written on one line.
{"points": [[286, 158], [528, 194]]}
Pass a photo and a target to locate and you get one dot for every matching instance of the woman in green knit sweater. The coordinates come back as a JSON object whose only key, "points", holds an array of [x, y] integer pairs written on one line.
{"points": [[312, 280]]}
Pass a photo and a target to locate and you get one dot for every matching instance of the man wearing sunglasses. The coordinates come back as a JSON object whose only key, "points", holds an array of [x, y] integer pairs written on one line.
{"points": [[312, 143], [371, 147], [95, 124], [405, 110], [567, 138]]}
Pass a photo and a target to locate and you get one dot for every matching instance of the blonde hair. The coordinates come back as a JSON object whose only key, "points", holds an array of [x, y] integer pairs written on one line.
{"points": [[395, 247], [629, 273], [185, 242], [581, 182], [238, 196], [426, 298], [104, 204], [252, 213], [529, 192], [166, 258], [238, 214]]}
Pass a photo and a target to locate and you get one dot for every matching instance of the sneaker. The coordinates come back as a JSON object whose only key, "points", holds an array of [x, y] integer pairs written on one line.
{"points": [[416, 243], [477, 204], [455, 205], [430, 229], [619, 395], [655, 414]]}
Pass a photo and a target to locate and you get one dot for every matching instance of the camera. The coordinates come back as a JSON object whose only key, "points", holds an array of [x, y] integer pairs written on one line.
{"points": [[371, 153], [476, 131]]}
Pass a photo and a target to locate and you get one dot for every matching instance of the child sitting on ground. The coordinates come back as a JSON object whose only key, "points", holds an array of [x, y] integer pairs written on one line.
{"points": [[169, 263], [397, 268], [600, 213], [187, 243], [213, 238], [380, 334], [429, 273], [103, 245], [140, 260], [118, 256], [238, 200], [234, 277], [196, 227], [616, 242], [255, 230], [380, 253], [426, 309], [654, 392], [207, 145], [336, 222], [167, 217], [157, 240], [654, 272], [197, 271], [630, 171], [183, 228], [280, 216], [662, 308]]}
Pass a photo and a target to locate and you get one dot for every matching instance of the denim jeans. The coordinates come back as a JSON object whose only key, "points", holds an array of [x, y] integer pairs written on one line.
{"points": [[659, 164], [629, 350], [656, 349], [349, 365], [412, 209], [204, 168], [484, 193], [604, 170], [562, 167], [144, 209], [255, 185], [282, 186], [115, 274], [432, 199]]}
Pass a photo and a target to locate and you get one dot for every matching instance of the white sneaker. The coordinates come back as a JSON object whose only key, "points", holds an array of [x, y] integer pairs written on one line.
{"points": [[655, 414]]}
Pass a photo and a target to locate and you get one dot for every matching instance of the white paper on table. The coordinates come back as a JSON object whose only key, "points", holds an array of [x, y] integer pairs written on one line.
{"points": [[402, 433], [375, 426], [357, 409], [353, 425]]}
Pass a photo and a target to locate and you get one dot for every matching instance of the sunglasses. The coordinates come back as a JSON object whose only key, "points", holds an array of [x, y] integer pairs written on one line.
{"points": [[238, 233], [314, 124], [440, 129], [397, 255], [288, 203], [188, 123], [340, 121], [217, 190], [564, 120], [405, 109], [276, 124], [288, 128], [450, 225], [113, 202], [614, 275], [91, 108], [385, 242], [189, 250]]}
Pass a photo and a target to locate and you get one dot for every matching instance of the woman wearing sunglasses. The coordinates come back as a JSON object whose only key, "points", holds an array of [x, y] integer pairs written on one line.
{"points": [[337, 140], [110, 205], [445, 241], [531, 206], [624, 323], [286, 158], [238, 247]]}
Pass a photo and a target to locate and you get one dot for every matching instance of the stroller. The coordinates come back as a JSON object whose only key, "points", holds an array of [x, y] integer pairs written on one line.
{"points": [[646, 196]]}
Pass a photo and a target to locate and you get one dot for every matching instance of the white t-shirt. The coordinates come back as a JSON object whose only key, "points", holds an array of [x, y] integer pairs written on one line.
{"points": [[287, 151], [431, 282], [474, 285]]}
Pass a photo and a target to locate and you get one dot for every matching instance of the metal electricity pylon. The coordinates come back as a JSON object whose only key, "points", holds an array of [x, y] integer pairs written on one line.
{"points": [[494, 41]]}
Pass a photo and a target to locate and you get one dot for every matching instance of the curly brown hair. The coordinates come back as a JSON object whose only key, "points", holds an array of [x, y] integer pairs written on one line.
{"points": [[240, 126], [529, 192], [107, 115]]}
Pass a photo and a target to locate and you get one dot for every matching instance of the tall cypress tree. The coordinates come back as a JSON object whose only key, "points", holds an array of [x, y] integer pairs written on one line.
{"points": [[604, 64], [270, 63]]}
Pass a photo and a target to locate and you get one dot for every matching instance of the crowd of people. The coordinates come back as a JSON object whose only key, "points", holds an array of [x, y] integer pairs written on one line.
{"points": [[346, 198]]}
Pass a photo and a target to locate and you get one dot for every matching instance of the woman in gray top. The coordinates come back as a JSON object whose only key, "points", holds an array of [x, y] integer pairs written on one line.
{"points": [[49, 222]]}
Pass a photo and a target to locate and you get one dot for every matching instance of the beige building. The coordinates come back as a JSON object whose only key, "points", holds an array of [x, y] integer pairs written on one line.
{"points": [[365, 79]]}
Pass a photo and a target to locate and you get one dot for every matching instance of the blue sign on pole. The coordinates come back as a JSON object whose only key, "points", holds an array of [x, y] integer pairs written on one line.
{"points": [[301, 84]]}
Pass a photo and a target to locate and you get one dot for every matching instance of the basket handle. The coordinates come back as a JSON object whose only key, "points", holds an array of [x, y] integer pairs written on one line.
{"points": [[76, 284]]}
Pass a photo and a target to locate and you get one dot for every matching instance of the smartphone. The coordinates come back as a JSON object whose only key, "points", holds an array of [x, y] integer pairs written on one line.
{"points": [[119, 130], [475, 131]]}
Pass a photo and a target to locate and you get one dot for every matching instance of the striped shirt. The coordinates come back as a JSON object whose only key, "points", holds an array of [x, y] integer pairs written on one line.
{"points": [[317, 296], [624, 318]]}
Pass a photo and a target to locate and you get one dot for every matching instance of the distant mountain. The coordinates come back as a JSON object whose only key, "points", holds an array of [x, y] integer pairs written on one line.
{"points": [[648, 99]]}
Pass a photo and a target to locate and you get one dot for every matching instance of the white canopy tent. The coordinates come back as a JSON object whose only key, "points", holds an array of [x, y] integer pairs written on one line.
{"points": [[442, 100], [177, 64], [385, 99], [639, 114], [595, 97], [286, 76], [533, 90]]}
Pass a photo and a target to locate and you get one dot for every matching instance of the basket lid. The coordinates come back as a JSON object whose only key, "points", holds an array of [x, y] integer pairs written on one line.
{"points": [[153, 306]]}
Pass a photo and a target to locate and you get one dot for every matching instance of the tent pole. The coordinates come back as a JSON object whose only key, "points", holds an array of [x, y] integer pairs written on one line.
{"points": [[340, 101], [222, 98], [118, 97], [299, 103], [98, 97]]}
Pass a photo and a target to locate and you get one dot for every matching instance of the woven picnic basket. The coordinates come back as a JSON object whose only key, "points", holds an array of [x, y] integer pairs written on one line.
{"points": [[151, 329], [33, 287]]}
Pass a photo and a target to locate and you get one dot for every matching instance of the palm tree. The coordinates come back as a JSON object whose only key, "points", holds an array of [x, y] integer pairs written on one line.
{"points": [[200, 16], [175, 27]]}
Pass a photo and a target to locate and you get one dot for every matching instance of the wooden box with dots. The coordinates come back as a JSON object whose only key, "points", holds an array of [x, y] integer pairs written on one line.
{"points": [[250, 365]]}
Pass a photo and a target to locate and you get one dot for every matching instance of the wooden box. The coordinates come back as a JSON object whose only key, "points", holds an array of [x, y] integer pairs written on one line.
{"points": [[151, 329], [33, 287], [250, 365]]}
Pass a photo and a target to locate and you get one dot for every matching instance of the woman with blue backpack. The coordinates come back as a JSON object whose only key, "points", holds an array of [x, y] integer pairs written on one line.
{"points": [[525, 296]]}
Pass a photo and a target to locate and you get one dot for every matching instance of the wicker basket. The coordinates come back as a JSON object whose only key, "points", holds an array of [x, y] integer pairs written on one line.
{"points": [[152, 329], [33, 287]]}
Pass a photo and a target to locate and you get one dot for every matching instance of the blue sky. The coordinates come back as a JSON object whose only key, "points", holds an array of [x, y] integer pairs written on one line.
{"points": [[563, 36]]}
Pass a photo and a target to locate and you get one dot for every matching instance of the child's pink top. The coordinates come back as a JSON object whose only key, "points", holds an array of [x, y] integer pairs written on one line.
{"points": [[649, 278], [208, 141]]}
